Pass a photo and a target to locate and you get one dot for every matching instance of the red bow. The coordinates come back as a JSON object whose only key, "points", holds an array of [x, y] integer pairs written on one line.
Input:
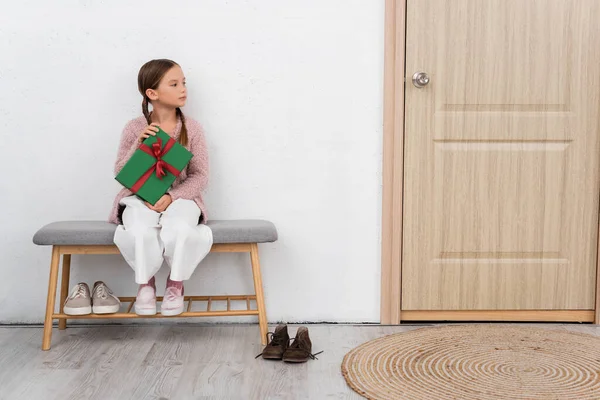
{"points": [[160, 165]]}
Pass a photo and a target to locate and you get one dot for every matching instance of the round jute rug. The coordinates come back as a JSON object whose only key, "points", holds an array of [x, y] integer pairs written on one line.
{"points": [[477, 362]]}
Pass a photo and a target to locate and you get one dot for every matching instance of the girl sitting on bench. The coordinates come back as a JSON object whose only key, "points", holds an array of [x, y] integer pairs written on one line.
{"points": [[173, 229]]}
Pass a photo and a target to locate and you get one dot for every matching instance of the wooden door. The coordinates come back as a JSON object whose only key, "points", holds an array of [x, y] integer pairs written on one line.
{"points": [[501, 155]]}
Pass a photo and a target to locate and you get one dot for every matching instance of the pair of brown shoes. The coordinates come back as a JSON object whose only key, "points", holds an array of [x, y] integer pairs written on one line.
{"points": [[279, 348]]}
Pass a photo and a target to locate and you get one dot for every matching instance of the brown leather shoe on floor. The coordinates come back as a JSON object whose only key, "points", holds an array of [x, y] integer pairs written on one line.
{"points": [[278, 344], [300, 350]]}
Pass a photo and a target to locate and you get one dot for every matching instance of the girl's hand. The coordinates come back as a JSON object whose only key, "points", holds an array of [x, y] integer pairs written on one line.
{"points": [[150, 130], [162, 204]]}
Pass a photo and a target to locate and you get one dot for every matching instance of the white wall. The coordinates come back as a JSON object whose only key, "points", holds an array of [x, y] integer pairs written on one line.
{"points": [[290, 95]]}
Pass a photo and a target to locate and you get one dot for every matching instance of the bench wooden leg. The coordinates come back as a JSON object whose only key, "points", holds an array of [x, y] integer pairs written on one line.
{"points": [[64, 287], [260, 299], [52, 284]]}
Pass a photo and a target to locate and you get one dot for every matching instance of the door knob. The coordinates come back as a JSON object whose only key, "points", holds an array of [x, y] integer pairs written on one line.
{"points": [[420, 79]]}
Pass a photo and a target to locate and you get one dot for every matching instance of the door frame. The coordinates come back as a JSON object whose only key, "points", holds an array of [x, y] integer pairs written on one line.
{"points": [[393, 169], [393, 160]]}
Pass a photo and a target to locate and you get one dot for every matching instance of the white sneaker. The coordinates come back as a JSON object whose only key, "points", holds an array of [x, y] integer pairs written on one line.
{"points": [[172, 303], [145, 301]]}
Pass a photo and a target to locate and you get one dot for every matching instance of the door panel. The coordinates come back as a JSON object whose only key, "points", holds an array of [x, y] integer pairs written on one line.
{"points": [[501, 155]]}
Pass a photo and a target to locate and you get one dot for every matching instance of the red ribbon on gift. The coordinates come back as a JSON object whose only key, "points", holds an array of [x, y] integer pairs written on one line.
{"points": [[160, 165]]}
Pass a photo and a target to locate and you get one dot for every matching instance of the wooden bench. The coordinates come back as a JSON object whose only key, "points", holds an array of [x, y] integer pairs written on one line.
{"points": [[96, 237]]}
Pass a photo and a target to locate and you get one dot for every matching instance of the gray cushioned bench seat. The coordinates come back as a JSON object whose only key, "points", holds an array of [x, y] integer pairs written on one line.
{"points": [[102, 233]]}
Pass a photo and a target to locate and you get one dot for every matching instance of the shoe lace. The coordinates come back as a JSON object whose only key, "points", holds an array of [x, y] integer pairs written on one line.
{"points": [[171, 294], [79, 291], [273, 341], [297, 345], [102, 291]]}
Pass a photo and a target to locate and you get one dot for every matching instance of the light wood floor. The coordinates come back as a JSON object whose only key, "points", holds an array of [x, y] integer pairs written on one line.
{"points": [[179, 362]]}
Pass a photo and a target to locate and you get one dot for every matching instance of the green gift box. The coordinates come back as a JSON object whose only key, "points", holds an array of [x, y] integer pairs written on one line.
{"points": [[154, 166]]}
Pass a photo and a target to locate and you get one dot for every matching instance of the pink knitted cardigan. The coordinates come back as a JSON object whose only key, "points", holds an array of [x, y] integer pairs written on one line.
{"points": [[193, 179]]}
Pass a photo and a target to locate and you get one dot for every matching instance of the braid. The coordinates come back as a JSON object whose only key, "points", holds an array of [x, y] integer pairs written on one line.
{"points": [[183, 136], [145, 109]]}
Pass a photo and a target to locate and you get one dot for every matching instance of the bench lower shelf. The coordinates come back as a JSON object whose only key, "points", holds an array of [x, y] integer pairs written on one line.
{"points": [[158, 315], [189, 313]]}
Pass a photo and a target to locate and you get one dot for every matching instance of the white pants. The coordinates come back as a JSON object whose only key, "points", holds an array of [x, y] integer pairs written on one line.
{"points": [[147, 237]]}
